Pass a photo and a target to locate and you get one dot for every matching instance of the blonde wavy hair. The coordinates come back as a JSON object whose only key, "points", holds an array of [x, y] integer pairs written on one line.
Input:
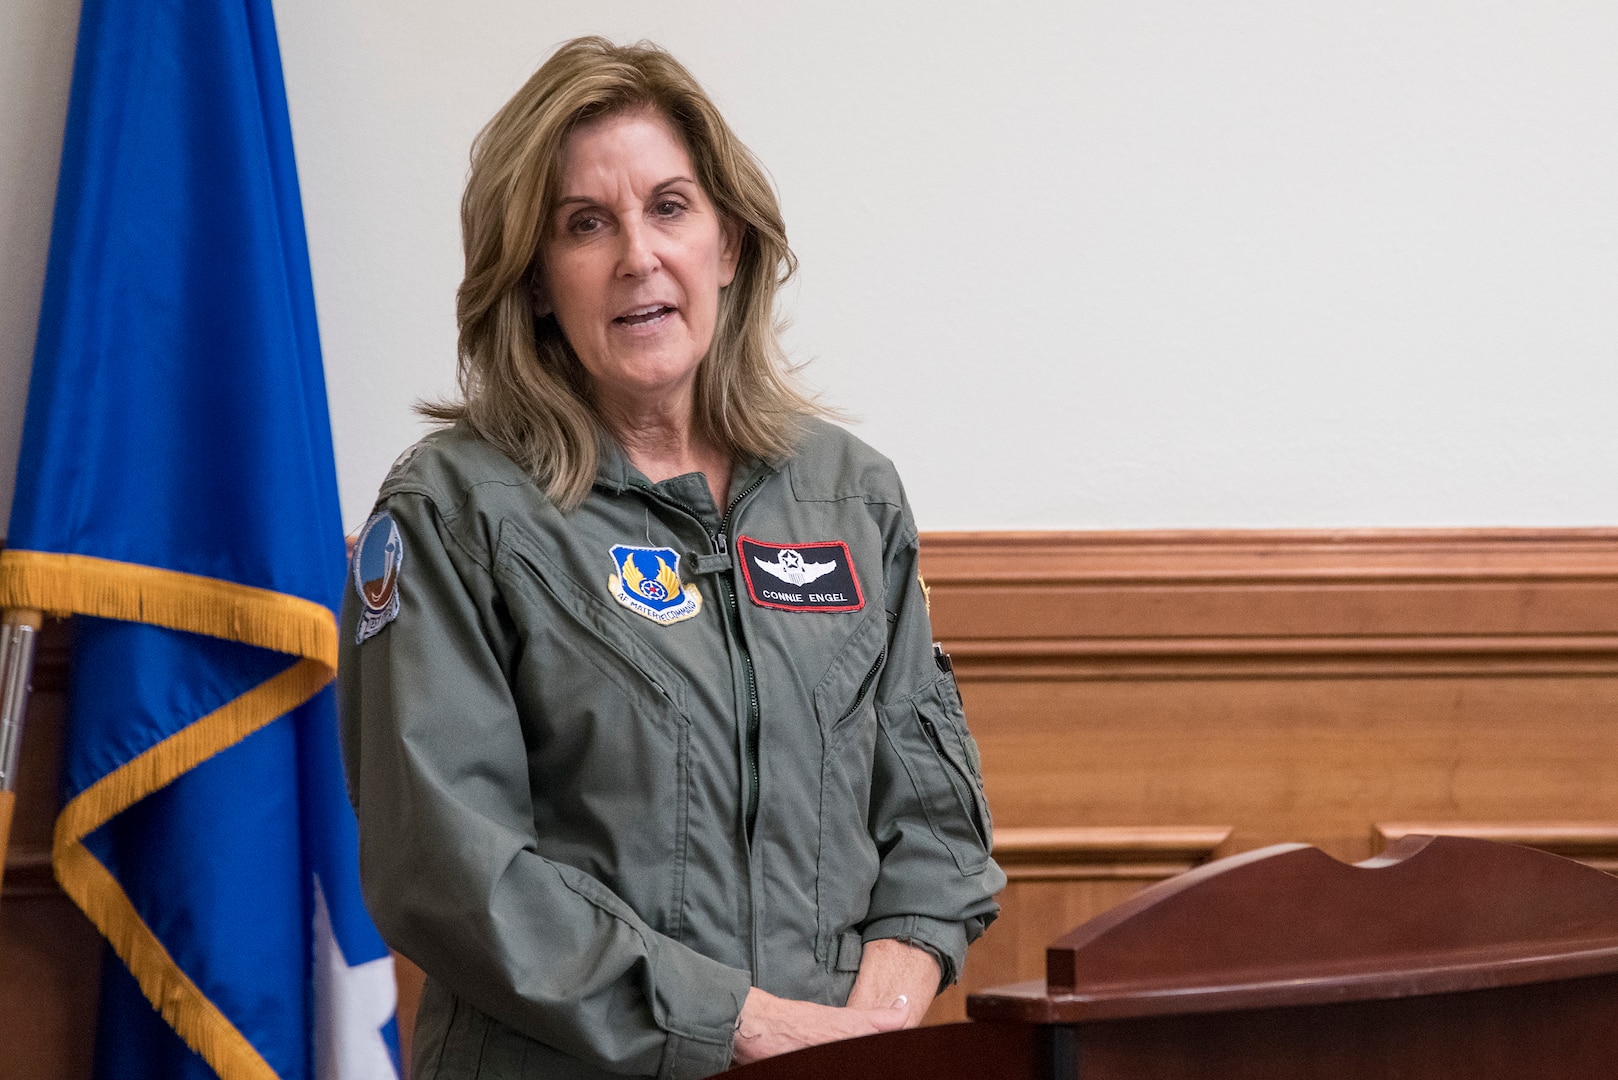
{"points": [[522, 388]]}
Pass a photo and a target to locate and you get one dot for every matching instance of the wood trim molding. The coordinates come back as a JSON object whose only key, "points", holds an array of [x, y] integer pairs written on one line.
{"points": [[1593, 843], [1271, 604], [1245, 555], [1104, 852], [29, 875], [1010, 659]]}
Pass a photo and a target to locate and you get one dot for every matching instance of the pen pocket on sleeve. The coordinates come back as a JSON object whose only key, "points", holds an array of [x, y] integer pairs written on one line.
{"points": [[935, 748]]}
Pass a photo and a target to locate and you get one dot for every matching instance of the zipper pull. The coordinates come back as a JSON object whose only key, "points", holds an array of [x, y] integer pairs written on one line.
{"points": [[719, 560]]}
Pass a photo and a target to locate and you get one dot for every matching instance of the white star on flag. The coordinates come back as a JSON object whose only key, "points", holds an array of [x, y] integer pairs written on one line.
{"points": [[351, 1006]]}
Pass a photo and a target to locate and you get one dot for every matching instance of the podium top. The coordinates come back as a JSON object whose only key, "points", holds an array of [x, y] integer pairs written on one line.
{"points": [[1289, 925]]}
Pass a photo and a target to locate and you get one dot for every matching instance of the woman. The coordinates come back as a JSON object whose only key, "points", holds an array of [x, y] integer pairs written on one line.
{"points": [[655, 766]]}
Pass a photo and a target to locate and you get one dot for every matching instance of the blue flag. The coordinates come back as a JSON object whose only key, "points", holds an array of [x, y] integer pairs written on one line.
{"points": [[177, 493]]}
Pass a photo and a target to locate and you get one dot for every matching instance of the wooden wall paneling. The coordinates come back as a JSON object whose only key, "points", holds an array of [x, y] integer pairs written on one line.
{"points": [[1100, 853], [1296, 685], [50, 954], [1317, 760], [1019, 606]]}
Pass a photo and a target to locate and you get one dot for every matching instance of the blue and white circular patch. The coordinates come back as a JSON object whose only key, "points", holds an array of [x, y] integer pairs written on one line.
{"points": [[378, 559]]}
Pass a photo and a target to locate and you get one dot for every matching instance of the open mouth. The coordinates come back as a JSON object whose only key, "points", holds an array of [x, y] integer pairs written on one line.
{"points": [[645, 316]]}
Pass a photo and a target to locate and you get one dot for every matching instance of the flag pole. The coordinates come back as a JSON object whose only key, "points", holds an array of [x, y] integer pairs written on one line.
{"points": [[19, 632]]}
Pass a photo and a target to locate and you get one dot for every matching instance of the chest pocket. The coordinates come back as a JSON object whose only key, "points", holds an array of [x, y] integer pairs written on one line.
{"points": [[843, 696], [929, 731], [608, 737], [589, 629]]}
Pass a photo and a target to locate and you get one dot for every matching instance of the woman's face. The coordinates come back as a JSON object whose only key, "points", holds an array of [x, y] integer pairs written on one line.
{"points": [[634, 258]]}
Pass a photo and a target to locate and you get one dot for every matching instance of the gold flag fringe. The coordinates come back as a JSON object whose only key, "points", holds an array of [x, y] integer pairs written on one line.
{"points": [[85, 585], [196, 1019]]}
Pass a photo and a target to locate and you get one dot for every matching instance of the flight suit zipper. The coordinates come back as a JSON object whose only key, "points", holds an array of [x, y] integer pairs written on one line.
{"points": [[721, 541], [721, 546], [865, 684]]}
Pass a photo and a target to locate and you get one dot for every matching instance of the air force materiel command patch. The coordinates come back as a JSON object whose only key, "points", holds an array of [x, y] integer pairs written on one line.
{"points": [[800, 577], [648, 583], [378, 558]]}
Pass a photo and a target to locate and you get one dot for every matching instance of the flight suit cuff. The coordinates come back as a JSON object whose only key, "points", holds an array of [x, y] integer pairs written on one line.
{"points": [[699, 1001], [945, 940]]}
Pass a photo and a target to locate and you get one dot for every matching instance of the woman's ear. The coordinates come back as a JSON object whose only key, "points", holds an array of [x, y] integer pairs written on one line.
{"points": [[730, 250]]}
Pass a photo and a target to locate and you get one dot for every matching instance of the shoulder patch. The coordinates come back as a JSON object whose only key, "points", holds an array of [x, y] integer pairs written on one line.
{"points": [[800, 577], [378, 560], [647, 582]]}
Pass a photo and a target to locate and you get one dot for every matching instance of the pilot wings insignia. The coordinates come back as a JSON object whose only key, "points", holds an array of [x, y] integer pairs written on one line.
{"points": [[790, 567]]}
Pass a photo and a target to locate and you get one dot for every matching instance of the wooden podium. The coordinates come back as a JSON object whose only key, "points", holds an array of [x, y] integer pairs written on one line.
{"points": [[1443, 958]]}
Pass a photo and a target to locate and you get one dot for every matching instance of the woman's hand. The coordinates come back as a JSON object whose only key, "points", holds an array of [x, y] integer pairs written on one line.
{"points": [[891, 970], [771, 1025]]}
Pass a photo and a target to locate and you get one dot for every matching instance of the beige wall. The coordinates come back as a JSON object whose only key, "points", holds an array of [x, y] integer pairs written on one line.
{"points": [[1075, 265]]}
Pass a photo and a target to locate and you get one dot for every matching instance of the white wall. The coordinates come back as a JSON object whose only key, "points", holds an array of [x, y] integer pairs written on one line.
{"points": [[1077, 265], [36, 64]]}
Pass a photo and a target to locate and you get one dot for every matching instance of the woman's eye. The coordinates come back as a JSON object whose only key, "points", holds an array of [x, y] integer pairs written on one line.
{"points": [[670, 207], [584, 224]]}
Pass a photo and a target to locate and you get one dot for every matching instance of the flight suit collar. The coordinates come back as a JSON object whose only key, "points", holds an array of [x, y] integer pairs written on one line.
{"points": [[615, 473]]}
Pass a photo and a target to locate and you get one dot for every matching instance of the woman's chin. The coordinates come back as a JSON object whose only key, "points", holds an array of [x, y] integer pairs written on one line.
{"points": [[647, 383]]}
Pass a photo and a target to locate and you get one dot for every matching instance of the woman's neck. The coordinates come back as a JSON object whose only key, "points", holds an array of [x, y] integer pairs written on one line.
{"points": [[662, 440]]}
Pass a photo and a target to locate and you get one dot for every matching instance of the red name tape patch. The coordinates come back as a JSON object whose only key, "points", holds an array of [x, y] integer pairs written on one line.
{"points": [[800, 577]]}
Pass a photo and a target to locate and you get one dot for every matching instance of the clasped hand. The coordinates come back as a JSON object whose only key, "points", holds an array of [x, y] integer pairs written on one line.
{"points": [[773, 1025], [895, 986]]}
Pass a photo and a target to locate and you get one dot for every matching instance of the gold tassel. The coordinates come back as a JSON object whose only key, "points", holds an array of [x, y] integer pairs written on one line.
{"points": [[84, 585]]}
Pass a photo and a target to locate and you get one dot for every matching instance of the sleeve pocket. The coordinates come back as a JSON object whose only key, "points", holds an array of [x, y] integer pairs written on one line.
{"points": [[930, 735]]}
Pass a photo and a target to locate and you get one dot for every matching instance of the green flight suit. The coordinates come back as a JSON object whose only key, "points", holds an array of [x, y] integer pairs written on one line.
{"points": [[595, 830]]}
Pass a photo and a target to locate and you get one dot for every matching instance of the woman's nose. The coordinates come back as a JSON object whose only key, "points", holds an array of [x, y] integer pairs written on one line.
{"points": [[639, 255]]}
